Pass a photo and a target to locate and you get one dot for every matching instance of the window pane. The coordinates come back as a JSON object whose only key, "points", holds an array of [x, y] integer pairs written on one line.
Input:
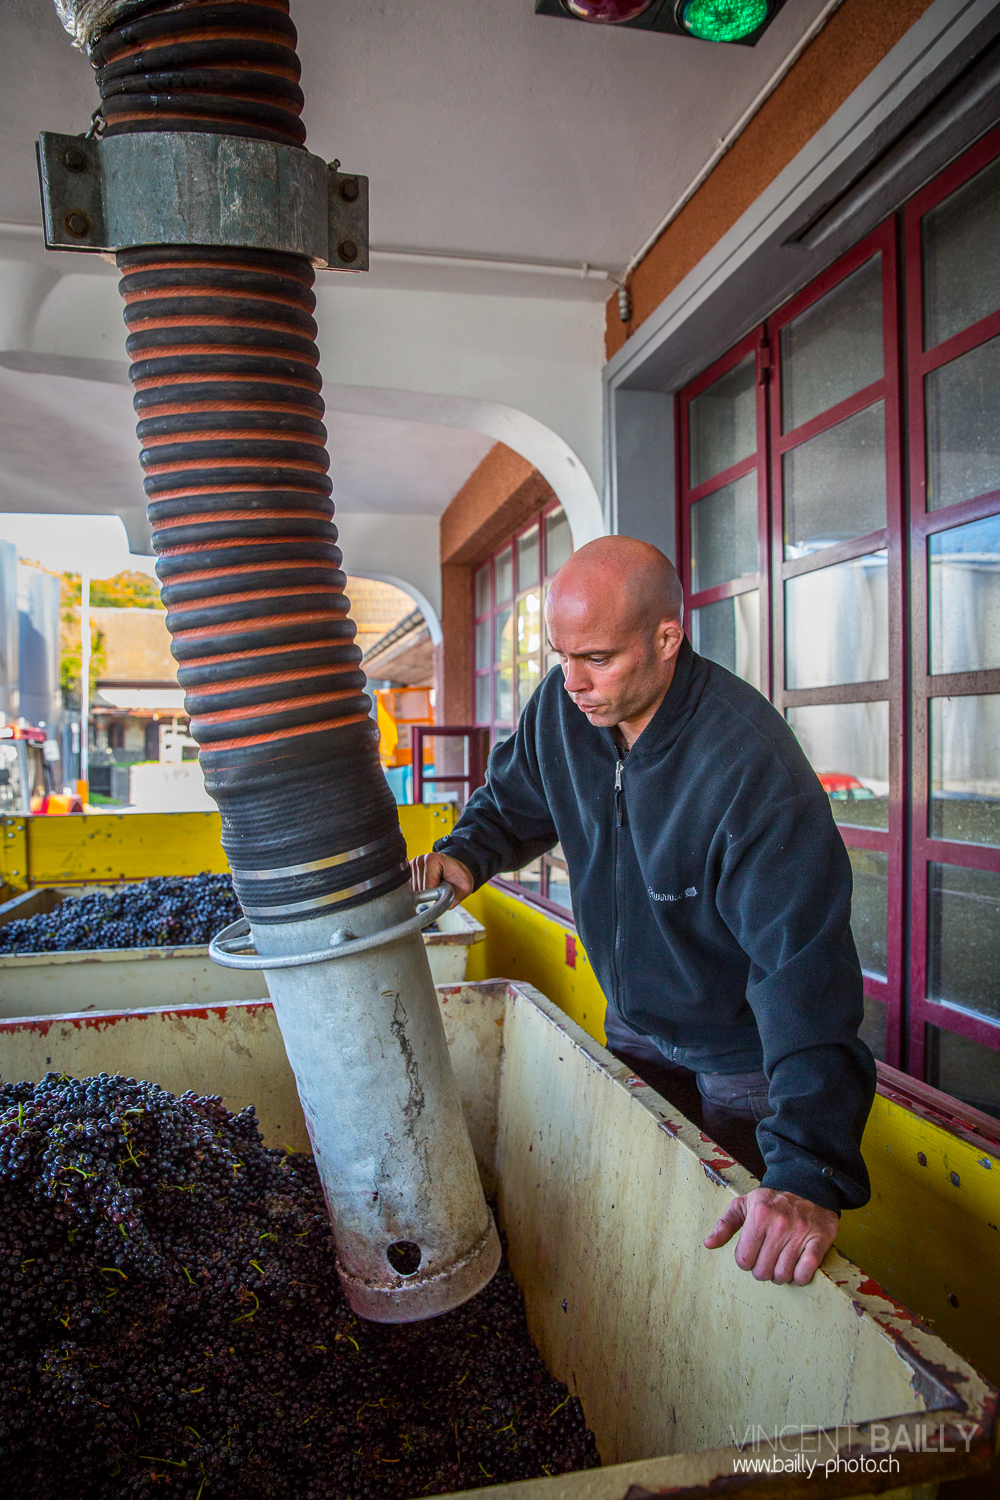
{"points": [[963, 938], [482, 644], [529, 675], [963, 427], [530, 877], [724, 535], [874, 1027], [527, 560], [722, 422], [961, 243], [965, 597], [482, 589], [835, 484], [558, 541], [529, 624], [482, 700], [965, 1069], [503, 695], [503, 636], [834, 348], [837, 624], [965, 769], [10, 790], [558, 890], [847, 745], [870, 909], [503, 577], [728, 632]]}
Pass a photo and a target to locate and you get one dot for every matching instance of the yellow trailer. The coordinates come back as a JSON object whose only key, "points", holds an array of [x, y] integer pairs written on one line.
{"points": [[695, 1378]]}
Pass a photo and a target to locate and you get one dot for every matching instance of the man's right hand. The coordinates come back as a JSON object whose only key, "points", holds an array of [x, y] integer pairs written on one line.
{"points": [[429, 870]]}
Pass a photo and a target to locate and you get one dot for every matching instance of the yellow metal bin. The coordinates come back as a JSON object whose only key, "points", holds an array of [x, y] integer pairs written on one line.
{"points": [[696, 1379]]}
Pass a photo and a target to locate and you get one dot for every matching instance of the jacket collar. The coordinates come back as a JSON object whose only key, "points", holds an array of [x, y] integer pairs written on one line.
{"points": [[678, 705]]}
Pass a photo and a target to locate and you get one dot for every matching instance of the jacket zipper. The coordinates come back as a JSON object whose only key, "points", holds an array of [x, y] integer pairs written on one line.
{"points": [[616, 902]]}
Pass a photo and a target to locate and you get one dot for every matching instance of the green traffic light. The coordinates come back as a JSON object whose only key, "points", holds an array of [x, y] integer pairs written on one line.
{"points": [[723, 20]]}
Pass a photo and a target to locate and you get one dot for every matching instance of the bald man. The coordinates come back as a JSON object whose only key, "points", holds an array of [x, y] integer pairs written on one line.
{"points": [[710, 886]]}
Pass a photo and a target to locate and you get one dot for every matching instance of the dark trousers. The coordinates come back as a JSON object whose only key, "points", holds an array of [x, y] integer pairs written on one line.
{"points": [[727, 1106]]}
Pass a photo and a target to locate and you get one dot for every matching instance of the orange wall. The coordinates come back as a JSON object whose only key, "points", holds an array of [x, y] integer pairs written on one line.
{"points": [[499, 496], [851, 44]]}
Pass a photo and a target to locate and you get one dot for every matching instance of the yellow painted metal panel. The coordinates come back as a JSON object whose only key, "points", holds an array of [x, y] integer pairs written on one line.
{"points": [[932, 1242], [525, 943], [109, 847], [924, 1237], [14, 854]]}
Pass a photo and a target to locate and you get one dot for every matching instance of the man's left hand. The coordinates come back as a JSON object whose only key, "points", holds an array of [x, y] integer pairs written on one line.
{"points": [[782, 1237]]}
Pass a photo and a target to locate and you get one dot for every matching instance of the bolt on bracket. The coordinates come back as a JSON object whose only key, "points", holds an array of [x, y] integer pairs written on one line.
{"points": [[187, 188]]}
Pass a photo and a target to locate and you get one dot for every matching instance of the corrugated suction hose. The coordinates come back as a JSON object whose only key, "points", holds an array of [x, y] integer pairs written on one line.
{"points": [[227, 390]]}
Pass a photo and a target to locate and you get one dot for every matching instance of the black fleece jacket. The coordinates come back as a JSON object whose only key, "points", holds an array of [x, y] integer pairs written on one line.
{"points": [[713, 895]]}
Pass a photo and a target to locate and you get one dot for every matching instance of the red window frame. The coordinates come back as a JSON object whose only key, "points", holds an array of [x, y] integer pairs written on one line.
{"points": [[550, 866], [924, 686], [500, 729], [755, 343], [891, 842], [772, 444]]}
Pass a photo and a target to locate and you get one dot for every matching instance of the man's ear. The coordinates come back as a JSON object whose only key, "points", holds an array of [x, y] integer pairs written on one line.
{"points": [[669, 635]]}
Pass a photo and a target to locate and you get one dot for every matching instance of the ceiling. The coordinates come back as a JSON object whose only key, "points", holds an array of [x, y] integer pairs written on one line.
{"points": [[485, 128], [486, 131]]}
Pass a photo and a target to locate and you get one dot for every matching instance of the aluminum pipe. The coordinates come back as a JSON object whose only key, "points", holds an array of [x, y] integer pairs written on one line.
{"points": [[366, 1042]]}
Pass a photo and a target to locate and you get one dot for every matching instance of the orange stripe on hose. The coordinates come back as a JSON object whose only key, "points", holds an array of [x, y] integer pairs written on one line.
{"points": [[234, 463], [229, 294], [310, 589], [196, 549], [157, 382], [286, 734], [188, 320], [168, 351], [198, 408], [193, 519], [267, 679], [282, 705], [252, 569], [241, 656], [232, 435], [237, 627]]}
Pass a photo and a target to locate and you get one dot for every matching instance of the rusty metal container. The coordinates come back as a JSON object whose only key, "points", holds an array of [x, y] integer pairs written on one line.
{"points": [[695, 1378]]}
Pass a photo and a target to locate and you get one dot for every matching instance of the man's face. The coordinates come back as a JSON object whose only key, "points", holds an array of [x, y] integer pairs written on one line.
{"points": [[613, 670]]}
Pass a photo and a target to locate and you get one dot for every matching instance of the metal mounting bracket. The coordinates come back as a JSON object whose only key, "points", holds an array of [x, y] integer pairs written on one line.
{"points": [[186, 188]]}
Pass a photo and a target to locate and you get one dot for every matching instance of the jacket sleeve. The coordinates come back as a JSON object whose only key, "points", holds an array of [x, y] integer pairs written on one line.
{"points": [[785, 893], [506, 823]]}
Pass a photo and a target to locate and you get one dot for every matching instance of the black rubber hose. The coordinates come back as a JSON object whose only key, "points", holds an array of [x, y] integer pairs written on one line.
{"points": [[227, 391]]}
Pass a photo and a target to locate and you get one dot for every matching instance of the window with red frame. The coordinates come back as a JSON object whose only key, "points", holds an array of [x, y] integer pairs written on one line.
{"points": [[801, 551], [510, 651]]}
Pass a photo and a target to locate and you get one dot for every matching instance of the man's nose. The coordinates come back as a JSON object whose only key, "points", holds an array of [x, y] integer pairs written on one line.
{"points": [[575, 677]]}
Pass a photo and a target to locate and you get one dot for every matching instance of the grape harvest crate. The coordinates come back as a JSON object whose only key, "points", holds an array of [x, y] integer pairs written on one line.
{"points": [[696, 1379], [116, 979]]}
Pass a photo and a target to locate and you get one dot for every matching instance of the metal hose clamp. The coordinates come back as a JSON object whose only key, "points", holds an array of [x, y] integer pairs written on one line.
{"points": [[233, 946]]}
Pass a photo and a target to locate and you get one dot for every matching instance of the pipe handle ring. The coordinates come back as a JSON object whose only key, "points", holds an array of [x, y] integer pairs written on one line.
{"points": [[229, 948]]}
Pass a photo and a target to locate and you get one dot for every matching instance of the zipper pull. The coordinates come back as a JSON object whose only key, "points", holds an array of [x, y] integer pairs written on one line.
{"points": [[619, 767]]}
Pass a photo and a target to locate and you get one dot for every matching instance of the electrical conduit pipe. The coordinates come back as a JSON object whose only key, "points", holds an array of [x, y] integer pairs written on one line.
{"points": [[227, 391]]}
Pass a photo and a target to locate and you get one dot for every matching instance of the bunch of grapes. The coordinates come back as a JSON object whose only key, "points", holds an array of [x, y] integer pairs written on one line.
{"points": [[163, 912], [171, 1324]]}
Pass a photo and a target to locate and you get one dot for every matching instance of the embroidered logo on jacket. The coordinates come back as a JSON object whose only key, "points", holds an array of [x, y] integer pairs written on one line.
{"points": [[661, 896]]}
